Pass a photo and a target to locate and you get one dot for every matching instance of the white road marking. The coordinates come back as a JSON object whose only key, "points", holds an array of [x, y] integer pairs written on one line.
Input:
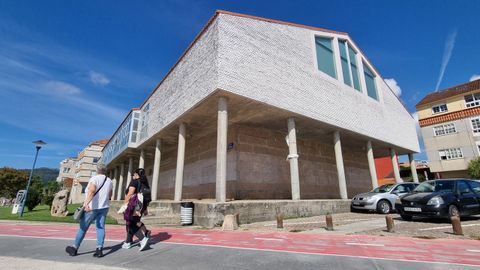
{"points": [[473, 250], [268, 239], [364, 244], [446, 227]]}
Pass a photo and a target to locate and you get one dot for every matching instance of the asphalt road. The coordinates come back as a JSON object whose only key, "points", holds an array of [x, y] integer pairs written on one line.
{"points": [[43, 247]]}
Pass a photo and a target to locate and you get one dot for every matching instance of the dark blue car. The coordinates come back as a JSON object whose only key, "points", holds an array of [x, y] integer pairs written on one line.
{"points": [[441, 198]]}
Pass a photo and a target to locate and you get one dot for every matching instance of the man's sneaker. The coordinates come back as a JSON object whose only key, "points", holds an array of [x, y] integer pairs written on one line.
{"points": [[144, 242], [127, 245], [98, 253], [148, 233], [72, 251]]}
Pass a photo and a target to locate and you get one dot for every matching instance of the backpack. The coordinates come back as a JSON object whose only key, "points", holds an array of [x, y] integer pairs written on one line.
{"points": [[146, 192]]}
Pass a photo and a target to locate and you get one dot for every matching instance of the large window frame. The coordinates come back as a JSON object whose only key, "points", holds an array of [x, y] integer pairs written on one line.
{"points": [[472, 100], [444, 129], [325, 56], [348, 59], [440, 108], [475, 124], [370, 81], [450, 153]]}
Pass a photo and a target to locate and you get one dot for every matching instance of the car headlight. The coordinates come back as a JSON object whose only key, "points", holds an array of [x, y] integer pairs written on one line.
{"points": [[368, 198], [436, 201], [398, 201]]}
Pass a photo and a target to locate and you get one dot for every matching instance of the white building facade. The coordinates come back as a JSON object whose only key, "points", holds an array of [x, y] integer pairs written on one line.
{"points": [[263, 109]]}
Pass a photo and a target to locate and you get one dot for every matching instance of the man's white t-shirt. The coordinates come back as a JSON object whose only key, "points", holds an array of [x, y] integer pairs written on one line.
{"points": [[101, 200]]}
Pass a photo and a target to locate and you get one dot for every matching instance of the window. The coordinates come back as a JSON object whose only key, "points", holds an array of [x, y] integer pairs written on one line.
{"points": [[95, 160], [452, 153], [444, 129], [439, 108], [475, 186], [325, 56], [463, 188], [472, 100], [475, 125], [400, 189], [93, 173], [349, 64], [370, 82]]}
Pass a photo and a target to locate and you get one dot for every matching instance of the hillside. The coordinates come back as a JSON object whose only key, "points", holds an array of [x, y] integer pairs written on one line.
{"points": [[46, 174]]}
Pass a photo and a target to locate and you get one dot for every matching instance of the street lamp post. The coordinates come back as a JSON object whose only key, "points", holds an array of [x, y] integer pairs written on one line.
{"points": [[38, 146]]}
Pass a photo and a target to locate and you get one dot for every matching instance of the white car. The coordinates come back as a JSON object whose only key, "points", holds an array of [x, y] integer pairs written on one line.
{"points": [[381, 199]]}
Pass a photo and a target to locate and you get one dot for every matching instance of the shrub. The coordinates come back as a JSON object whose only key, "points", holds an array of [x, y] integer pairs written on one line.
{"points": [[33, 199], [474, 168]]}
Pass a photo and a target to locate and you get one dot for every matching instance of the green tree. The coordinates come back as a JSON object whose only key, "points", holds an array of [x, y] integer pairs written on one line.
{"points": [[474, 168], [11, 181]]}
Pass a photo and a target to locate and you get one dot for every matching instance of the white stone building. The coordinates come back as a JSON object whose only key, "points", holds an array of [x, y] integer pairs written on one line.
{"points": [[263, 109]]}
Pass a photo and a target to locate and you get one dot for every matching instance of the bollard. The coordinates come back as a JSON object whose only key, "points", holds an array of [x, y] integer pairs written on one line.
{"points": [[279, 221], [390, 223], [457, 225], [329, 221]]}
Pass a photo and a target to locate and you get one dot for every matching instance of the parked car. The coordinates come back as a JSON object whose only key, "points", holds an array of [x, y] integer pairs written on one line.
{"points": [[441, 198], [381, 199]]}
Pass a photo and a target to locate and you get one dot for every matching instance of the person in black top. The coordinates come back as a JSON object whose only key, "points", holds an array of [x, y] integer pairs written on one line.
{"points": [[134, 226]]}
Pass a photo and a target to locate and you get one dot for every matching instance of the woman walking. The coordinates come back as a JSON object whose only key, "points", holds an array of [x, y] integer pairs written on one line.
{"points": [[134, 226]]}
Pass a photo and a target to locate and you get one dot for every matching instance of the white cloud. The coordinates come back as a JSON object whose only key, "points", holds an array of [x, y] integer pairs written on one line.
{"points": [[447, 53], [61, 88], [98, 78], [392, 83], [475, 77]]}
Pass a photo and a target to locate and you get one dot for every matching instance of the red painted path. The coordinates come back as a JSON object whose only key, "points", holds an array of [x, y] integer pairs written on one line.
{"points": [[392, 248]]}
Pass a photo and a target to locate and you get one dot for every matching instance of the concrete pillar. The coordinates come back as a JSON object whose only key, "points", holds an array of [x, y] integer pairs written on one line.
{"points": [[222, 129], [293, 158], [342, 183], [180, 162], [413, 168], [120, 183], [156, 169], [371, 165], [115, 180], [426, 175], [396, 171], [141, 162], [130, 170]]}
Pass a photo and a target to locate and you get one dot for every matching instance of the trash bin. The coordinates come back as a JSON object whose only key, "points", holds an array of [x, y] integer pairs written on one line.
{"points": [[186, 213]]}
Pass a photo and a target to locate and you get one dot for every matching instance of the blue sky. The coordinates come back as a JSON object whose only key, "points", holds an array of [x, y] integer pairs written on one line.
{"points": [[71, 70]]}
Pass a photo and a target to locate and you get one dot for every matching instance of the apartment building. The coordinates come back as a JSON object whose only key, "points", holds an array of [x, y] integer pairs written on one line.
{"points": [[67, 169], [450, 126]]}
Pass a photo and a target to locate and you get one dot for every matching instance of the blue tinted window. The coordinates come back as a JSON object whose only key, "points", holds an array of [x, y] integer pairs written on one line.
{"points": [[344, 60], [325, 56], [353, 65], [370, 82]]}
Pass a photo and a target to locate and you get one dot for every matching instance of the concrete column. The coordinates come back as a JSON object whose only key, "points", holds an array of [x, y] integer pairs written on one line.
{"points": [[371, 165], [130, 170], [156, 169], [222, 129], [342, 183], [293, 158], [180, 162], [141, 162], [396, 171], [120, 183], [115, 187], [413, 168]]}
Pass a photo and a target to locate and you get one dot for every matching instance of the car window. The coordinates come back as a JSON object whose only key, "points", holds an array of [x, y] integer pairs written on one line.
{"points": [[475, 186], [463, 187], [383, 188], [400, 189], [435, 186]]}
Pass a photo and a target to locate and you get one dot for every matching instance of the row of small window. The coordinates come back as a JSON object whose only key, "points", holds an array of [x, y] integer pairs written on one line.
{"points": [[471, 100], [449, 128], [348, 59]]}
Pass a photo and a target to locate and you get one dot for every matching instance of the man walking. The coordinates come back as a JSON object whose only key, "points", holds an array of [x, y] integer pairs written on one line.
{"points": [[97, 203]]}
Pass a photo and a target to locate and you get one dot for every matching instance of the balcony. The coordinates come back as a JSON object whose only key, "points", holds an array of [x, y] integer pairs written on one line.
{"points": [[126, 136]]}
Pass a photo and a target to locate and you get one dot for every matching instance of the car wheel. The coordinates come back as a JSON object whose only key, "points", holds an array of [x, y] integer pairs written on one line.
{"points": [[453, 211], [406, 217], [383, 207]]}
